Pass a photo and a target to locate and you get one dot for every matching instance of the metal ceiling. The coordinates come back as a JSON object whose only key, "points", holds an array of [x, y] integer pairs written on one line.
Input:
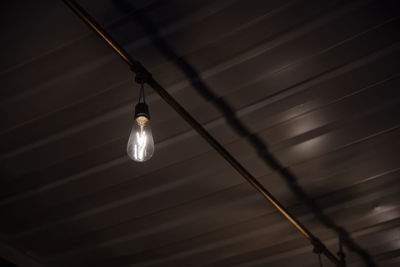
{"points": [[313, 83]]}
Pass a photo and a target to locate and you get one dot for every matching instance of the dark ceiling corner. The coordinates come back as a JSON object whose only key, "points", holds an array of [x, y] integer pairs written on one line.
{"points": [[5, 263]]}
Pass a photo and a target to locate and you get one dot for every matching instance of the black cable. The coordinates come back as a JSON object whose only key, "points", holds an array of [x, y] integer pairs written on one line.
{"points": [[141, 93], [341, 254], [320, 260]]}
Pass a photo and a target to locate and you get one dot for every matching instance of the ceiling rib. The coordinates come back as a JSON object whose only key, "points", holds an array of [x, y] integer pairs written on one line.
{"points": [[137, 68]]}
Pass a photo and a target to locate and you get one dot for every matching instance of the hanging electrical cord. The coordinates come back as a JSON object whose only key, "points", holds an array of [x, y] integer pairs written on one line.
{"points": [[341, 254], [318, 250], [141, 92], [143, 76]]}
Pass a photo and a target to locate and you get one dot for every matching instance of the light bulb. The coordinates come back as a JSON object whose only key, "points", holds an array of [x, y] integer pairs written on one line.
{"points": [[141, 145]]}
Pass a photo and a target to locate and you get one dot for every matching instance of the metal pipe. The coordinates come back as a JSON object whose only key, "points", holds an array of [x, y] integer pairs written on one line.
{"points": [[137, 68]]}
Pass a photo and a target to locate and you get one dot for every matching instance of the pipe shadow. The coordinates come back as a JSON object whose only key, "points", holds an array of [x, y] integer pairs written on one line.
{"points": [[228, 112]]}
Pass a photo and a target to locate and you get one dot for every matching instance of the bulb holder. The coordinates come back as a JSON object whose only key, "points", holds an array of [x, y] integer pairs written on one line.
{"points": [[141, 109]]}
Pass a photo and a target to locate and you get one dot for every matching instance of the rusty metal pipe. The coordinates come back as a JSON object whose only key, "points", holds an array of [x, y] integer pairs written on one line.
{"points": [[144, 76]]}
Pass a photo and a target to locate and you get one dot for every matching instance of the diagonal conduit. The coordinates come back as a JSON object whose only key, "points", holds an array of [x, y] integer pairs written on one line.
{"points": [[195, 80]]}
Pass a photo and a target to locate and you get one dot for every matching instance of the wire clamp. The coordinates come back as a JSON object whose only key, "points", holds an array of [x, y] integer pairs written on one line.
{"points": [[318, 249], [318, 246], [142, 77]]}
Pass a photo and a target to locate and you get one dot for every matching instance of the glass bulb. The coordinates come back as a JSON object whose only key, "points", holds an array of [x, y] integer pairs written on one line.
{"points": [[141, 145]]}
